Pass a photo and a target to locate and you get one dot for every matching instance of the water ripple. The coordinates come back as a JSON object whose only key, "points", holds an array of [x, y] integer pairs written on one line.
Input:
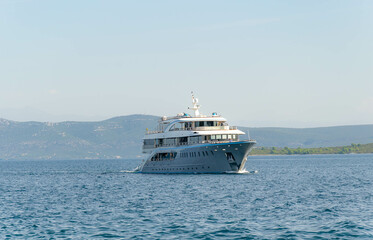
{"points": [[296, 197]]}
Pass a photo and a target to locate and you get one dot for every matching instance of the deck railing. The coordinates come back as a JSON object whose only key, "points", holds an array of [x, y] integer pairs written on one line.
{"points": [[205, 128], [184, 143]]}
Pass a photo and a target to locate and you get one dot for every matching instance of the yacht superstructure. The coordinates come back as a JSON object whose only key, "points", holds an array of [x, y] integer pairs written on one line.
{"points": [[194, 144]]}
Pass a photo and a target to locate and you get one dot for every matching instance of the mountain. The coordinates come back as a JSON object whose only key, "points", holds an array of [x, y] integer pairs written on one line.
{"points": [[120, 137], [311, 137]]}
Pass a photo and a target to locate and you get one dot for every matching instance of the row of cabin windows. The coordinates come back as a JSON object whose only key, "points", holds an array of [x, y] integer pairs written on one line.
{"points": [[178, 169], [164, 156], [189, 125], [195, 154], [172, 155], [190, 140], [224, 137], [208, 124]]}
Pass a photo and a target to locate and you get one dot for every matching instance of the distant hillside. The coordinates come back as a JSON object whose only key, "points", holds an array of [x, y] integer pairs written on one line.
{"points": [[120, 137], [353, 148], [311, 137]]}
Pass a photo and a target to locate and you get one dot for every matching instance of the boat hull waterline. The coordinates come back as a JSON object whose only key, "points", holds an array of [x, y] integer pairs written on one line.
{"points": [[205, 158]]}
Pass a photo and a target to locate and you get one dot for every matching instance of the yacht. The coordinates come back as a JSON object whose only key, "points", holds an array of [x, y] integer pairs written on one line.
{"points": [[194, 144]]}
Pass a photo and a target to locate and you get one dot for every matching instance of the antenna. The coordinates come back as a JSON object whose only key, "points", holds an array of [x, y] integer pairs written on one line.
{"points": [[195, 105]]}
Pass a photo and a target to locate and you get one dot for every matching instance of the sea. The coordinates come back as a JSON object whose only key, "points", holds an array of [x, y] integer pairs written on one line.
{"points": [[278, 197]]}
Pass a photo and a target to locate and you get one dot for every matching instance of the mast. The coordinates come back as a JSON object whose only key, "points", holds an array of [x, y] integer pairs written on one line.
{"points": [[195, 106]]}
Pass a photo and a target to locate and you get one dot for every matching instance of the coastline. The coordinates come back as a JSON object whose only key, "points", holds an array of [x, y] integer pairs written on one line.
{"points": [[351, 149]]}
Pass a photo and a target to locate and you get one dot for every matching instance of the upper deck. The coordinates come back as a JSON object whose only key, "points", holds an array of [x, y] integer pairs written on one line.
{"points": [[198, 122], [201, 123]]}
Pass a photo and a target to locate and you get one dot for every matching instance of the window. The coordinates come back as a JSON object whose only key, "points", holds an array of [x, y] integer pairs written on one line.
{"points": [[195, 139], [159, 142], [200, 124], [218, 137], [213, 137], [178, 126], [224, 136], [229, 136], [169, 141], [183, 140], [164, 156], [148, 141]]}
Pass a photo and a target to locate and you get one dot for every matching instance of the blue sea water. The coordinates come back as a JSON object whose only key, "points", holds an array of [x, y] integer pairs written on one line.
{"points": [[289, 197]]}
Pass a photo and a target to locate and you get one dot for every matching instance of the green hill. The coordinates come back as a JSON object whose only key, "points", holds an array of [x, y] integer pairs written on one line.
{"points": [[353, 148], [120, 137]]}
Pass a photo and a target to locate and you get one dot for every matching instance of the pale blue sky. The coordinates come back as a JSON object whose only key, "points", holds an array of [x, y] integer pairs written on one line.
{"points": [[259, 63]]}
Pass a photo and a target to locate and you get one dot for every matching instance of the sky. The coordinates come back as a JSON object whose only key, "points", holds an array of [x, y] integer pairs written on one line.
{"points": [[257, 63]]}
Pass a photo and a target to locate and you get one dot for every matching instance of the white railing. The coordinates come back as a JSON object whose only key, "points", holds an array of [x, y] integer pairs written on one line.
{"points": [[153, 132], [211, 128], [190, 143], [207, 128]]}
